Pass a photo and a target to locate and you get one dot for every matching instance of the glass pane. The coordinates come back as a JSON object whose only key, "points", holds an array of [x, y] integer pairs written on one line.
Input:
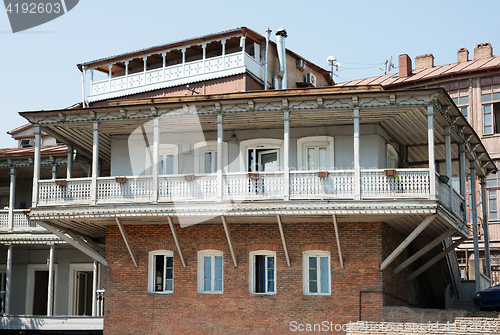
{"points": [[496, 96], [464, 111], [324, 262], [270, 262], [313, 263], [170, 262], [270, 274], [250, 160], [215, 163], [208, 285], [487, 119], [170, 164], [270, 286], [208, 261], [170, 274], [324, 274], [313, 287], [324, 286], [487, 130], [311, 159], [218, 285], [207, 163], [218, 261], [455, 100], [493, 216], [218, 273], [313, 274], [159, 268], [485, 97], [170, 285], [491, 182], [162, 164], [464, 100], [322, 159], [269, 161]]}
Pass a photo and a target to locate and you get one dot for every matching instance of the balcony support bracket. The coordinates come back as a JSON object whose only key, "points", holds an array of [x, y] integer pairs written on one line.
{"points": [[229, 240], [337, 237], [280, 225], [127, 241], [176, 239]]}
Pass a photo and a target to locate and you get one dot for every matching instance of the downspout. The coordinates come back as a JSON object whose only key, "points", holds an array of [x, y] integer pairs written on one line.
{"points": [[280, 46], [268, 35]]}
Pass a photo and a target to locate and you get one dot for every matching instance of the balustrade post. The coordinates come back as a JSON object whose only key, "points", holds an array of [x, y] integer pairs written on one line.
{"points": [[91, 80], [220, 134], [8, 280], [54, 171], [69, 163], [432, 163], [156, 152], [12, 197], [357, 168], [286, 155], [36, 166], [475, 234], [486, 229], [95, 163]]}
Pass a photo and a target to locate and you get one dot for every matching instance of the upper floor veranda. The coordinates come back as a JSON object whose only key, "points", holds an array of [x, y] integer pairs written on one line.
{"points": [[362, 148]]}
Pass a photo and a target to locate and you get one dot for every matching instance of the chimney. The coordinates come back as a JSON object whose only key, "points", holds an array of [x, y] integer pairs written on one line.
{"points": [[483, 50], [424, 62], [404, 66], [462, 55]]}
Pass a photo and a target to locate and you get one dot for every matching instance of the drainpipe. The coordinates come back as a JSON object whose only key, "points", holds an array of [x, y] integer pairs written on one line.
{"points": [[268, 35], [280, 46]]}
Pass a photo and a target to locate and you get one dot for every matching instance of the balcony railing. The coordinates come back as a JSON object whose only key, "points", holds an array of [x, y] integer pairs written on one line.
{"points": [[100, 303], [174, 75], [304, 185], [443, 193], [21, 221]]}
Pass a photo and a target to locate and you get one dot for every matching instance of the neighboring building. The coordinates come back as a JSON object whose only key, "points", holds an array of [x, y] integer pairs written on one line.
{"points": [[241, 210], [31, 251], [474, 85]]}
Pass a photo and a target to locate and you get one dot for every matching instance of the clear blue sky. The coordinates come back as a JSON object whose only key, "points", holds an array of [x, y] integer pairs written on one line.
{"points": [[38, 67]]}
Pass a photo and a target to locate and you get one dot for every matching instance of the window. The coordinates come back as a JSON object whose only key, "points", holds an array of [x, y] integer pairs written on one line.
{"points": [[462, 101], [493, 186], [261, 155], [492, 205], [491, 112], [205, 156], [392, 157], [161, 271], [316, 272], [315, 153], [263, 272], [210, 271], [167, 159]]}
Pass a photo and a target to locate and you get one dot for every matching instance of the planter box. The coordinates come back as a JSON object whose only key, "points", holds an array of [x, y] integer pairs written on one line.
{"points": [[390, 172], [322, 174], [121, 180], [444, 178], [61, 182], [189, 177], [253, 175]]}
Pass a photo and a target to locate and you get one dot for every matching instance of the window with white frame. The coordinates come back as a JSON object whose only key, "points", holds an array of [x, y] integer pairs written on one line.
{"points": [[491, 112], [167, 158], [205, 156], [161, 271], [210, 271], [493, 187], [263, 272], [392, 157], [315, 153], [316, 272], [259, 155], [461, 99]]}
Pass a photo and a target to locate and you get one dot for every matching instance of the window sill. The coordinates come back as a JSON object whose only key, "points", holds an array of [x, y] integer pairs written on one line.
{"points": [[264, 294], [491, 135], [162, 293], [318, 295], [210, 292]]}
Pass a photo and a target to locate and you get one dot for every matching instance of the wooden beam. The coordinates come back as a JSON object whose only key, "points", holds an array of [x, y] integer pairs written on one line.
{"points": [[94, 244], [176, 239], [229, 241], [127, 241], [337, 237], [424, 250], [407, 241], [77, 238], [87, 250], [435, 259], [280, 225]]}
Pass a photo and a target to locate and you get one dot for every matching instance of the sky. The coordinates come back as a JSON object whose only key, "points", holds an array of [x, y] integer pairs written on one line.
{"points": [[38, 66]]}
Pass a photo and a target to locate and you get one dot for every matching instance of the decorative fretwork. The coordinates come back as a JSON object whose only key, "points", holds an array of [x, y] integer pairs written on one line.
{"points": [[264, 185], [197, 187], [75, 191], [335, 184], [132, 189], [413, 183]]}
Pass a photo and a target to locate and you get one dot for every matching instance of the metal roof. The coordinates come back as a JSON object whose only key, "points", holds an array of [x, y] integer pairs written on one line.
{"points": [[30, 151]]}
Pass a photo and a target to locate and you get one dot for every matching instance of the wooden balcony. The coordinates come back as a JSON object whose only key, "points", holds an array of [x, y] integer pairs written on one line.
{"points": [[21, 221]]}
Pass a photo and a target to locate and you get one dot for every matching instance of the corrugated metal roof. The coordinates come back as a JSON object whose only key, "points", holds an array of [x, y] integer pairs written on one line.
{"points": [[30, 239], [392, 79], [30, 151]]}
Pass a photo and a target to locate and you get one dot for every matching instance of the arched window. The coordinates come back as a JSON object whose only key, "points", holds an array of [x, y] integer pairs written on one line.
{"points": [[263, 154], [161, 271], [315, 153]]}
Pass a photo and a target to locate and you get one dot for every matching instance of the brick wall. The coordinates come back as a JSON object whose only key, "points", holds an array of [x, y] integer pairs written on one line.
{"points": [[129, 309]]}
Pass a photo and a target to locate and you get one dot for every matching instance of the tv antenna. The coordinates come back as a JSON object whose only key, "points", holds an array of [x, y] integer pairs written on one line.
{"points": [[389, 65], [333, 64]]}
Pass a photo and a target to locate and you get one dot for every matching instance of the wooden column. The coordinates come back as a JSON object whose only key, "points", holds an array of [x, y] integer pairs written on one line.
{"points": [[110, 74], [95, 164], [183, 62], [12, 197], [357, 168], [126, 73], [69, 163], [156, 153], [8, 280], [432, 163], [286, 155], [223, 43], [54, 171], [473, 205], [220, 134], [463, 191], [447, 144], [36, 166], [484, 208], [50, 293], [94, 288]]}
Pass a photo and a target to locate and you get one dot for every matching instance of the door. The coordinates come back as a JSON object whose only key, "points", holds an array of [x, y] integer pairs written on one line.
{"points": [[41, 292], [268, 160], [84, 292]]}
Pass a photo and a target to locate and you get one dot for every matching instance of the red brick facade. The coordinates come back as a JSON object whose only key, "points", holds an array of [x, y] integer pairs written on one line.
{"points": [[130, 309]]}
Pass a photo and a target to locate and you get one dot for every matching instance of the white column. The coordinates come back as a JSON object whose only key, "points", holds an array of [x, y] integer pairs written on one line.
{"points": [[223, 43], [126, 73], [484, 208], [286, 155], [430, 139], [220, 133], [357, 168], [183, 62], [204, 47], [54, 171], [36, 166], [164, 57], [156, 152], [69, 163], [8, 280], [474, 224], [461, 154], [449, 172], [12, 197], [50, 294], [110, 68], [243, 39], [95, 163], [145, 59], [94, 289]]}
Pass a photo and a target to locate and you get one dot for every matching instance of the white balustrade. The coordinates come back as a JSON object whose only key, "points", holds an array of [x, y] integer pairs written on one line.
{"points": [[187, 187], [136, 80], [100, 87], [55, 192], [20, 220], [443, 193], [311, 185], [413, 183], [126, 189], [264, 185]]}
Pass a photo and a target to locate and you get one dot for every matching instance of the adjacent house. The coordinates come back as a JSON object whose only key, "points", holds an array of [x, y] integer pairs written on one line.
{"points": [[238, 192]]}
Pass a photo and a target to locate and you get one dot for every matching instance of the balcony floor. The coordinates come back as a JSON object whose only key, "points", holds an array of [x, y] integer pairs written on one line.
{"points": [[61, 323]]}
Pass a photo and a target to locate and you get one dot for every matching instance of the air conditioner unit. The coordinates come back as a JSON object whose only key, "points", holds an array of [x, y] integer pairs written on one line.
{"points": [[311, 79], [27, 143]]}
